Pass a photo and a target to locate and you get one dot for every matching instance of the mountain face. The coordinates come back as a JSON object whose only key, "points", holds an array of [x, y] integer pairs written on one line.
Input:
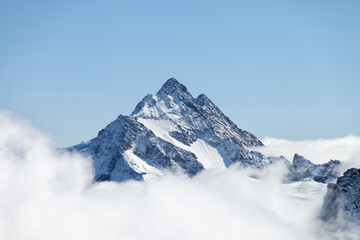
{"points": [[126, 149], [302, 168], [172, 131], [342, 200]]}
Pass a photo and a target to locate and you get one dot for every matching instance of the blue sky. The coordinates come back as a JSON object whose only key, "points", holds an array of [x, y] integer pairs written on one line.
{"points": [[288, 69]]}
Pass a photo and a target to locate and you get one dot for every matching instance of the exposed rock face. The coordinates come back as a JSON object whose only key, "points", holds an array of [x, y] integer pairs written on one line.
{"points": [[342, 200], [172, 131], [302, 168], [126, 149]]}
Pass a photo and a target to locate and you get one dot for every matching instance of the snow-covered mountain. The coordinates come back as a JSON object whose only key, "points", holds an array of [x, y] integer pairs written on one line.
{"points": [[302, 168], [173, 131]]}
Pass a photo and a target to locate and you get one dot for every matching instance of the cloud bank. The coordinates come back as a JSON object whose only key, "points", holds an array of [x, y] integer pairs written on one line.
{"points": [[50, 195], [346, 149]]}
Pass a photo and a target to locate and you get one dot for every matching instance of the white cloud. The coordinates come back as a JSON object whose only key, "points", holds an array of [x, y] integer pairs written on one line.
{"points": [[49, 195], [346, 149]]}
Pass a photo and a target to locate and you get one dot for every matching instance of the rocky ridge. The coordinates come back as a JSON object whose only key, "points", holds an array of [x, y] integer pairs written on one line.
{"points": [[302, 169]]}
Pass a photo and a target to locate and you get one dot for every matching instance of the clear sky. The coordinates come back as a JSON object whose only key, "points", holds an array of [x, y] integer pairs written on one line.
{"points": [[288, 69]]}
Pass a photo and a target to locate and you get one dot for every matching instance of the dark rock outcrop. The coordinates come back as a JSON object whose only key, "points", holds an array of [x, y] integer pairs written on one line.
{"points": [[342, 200]]}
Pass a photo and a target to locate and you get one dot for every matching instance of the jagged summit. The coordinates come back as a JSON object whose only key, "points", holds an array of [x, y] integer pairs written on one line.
{"points": [[298, 159], [171, 131], [172, 86], [147, 100], [202, 100]]}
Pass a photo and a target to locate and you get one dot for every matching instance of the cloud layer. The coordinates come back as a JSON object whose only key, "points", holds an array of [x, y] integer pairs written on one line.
{"points": [[346, 149], [49, 195]]}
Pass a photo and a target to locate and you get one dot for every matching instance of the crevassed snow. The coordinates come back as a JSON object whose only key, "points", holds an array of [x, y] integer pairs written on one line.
{"points": [[141, 166], [208, 156]]}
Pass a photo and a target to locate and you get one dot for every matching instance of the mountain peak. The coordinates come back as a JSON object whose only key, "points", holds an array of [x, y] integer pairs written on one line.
{"points": [[300, 162], [172, 80], [298, 158], [202, 100], [172, 85]]}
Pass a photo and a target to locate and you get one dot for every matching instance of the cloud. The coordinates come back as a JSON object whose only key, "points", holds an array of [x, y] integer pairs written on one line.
{"points": [[50, 195], [346, 149]]}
